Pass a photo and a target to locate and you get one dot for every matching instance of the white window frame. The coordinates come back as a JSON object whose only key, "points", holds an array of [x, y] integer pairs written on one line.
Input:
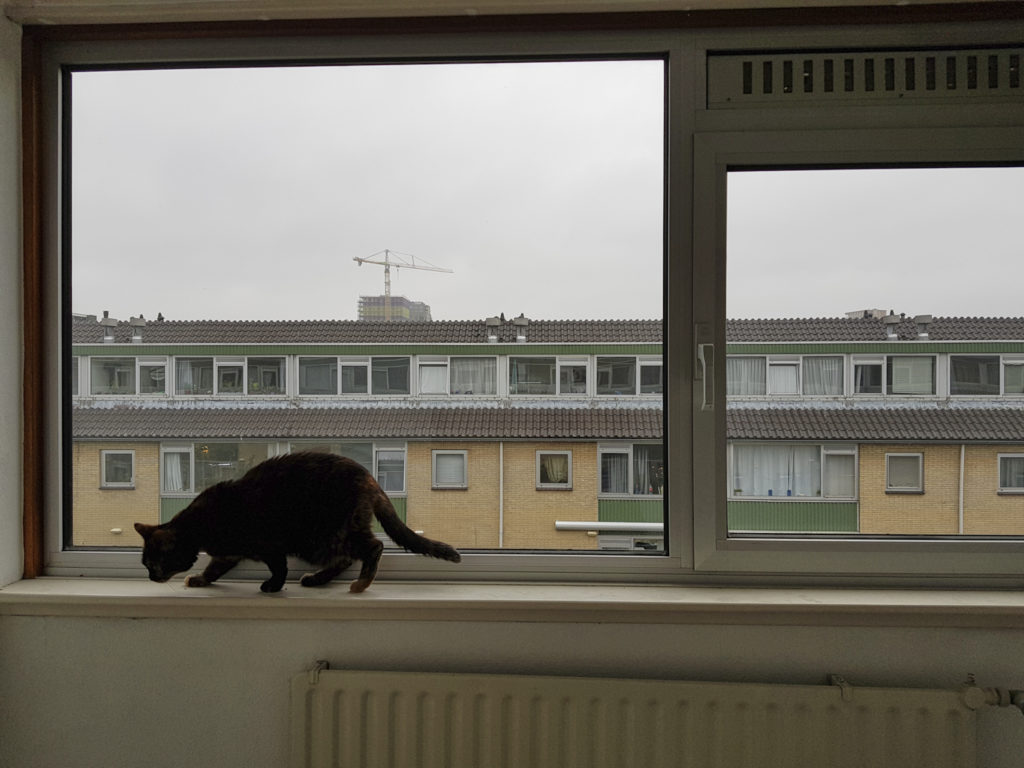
{"points": [[410, 376], [480, 359], [112, 485], [650, 362], [542, 486], [1009, 489], [438, 485], [187, 449], [396, 448], [353, 362], [704, 145], [135, 372], [917, 487], [432, 361], [298, 375], [636, 375]]}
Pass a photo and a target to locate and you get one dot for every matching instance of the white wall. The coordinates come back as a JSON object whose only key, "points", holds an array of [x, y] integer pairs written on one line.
{"points": [[10, 304], [109, 693]]}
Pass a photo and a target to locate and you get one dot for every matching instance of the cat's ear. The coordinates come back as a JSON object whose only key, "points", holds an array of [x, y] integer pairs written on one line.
{"points": [[145, 530]]}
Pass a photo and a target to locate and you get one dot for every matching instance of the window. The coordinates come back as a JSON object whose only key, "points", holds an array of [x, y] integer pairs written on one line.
{"points": [[746, 375], [390, 375], [318, 375], [636, 469], [554, 470], [355, 376], [448, 469], [391, 470], [117, 469], [112, 376], [651, 378], [531, 376], [867, 377], [1011, 473], [822, 376], [616, 376], [904, 473], [194, 376], [910, 375], [433, 377], [1013, 377], [974, 375], [474, 375], [572, 377], [792, 470], [266, 376], [176, 470], [152, 376]]}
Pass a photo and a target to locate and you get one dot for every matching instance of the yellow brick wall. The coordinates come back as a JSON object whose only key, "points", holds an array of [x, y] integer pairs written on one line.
{"points": [[530, 514], [97, 511], [985, 510], [463, 518], [933, 512]]}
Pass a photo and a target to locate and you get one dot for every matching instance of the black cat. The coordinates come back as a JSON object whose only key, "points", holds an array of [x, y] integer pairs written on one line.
{"points": [[316, 506]]}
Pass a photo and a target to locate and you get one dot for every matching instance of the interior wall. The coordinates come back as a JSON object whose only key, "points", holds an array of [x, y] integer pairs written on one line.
{"points": [[164, 692], [10, 304]]}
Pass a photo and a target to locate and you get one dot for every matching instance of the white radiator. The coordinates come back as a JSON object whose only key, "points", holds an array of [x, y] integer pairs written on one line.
{"points": [[354, 719]]}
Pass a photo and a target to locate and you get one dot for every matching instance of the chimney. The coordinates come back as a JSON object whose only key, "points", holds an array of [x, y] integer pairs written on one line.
{"points": [[923, 321], [520, 323], [108, 324], [891, 321], [137, 324], [492, 324]]}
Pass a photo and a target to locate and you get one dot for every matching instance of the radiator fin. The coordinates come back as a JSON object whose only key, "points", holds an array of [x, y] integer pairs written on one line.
{"points": [[347, 719]]}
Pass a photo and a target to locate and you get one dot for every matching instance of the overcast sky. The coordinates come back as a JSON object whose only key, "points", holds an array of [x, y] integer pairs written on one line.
{"points": [[246, 194]]}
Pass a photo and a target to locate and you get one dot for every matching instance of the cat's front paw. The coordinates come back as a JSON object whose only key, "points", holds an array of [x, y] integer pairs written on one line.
{"points": [[196, 580], [270, 586]]}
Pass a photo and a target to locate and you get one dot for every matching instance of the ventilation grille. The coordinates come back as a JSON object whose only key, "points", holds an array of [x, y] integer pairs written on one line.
{"points": [[800, 79]]}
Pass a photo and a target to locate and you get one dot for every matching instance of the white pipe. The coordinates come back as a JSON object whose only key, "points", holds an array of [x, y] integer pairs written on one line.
{"points": [[583, 525]]}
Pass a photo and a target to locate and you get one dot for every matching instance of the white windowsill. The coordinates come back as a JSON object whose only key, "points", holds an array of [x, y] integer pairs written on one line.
{"points": [[437, 601]]}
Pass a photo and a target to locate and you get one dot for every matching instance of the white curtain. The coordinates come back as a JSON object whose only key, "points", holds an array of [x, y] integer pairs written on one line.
{"points": [[174, 476], [474, 377], [823, 375], [777, 470], [648, 469], [614, 473], [1011, 472], [433, 379], [745, 375], [912, 375], [782, 379]]}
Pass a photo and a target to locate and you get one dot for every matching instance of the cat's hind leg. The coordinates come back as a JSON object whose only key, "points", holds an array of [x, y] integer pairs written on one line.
{"points": [[327, 573], [217, 567], [367, 548]]}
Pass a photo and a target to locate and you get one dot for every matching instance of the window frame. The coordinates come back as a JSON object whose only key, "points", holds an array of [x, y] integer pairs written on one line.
{"points": [[111, 485], [693, 317], [916, 488], [435, 483], [1009, 490], [551, 486]]}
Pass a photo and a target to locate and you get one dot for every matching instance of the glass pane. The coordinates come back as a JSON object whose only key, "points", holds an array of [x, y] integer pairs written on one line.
{"points": [[152, 379], [1011, 472], [318, 375], [450, 469], [614, 473], [932, 249], [648, 470], [553, 469], [783, 379], [117, 468], [616, 376], [236, 201], [112, 376]]}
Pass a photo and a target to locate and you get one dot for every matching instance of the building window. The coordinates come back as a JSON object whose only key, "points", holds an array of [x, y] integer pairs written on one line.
{"points": [[1011, 473], [910, 375], [117, 469], [473, 375], [867, 377], [554, 470], [152, 376], [390, 375], [746, 375], [74, 374], [355, 377], [616, 376], [112, 376], [974, 375], [448, 470], [391, 470], [1013, 377], [572, 377], [433, 377], [176, 471], [636, 469], [904, 473], [266, 375], [531, 376], [231, 376], [651, 378], [822, 376], [193, 376], [318, 375], [793, 470]]}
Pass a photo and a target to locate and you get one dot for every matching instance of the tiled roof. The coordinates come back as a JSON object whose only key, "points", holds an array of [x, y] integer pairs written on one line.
{"points": [[89, 331], [873, 329], [126, 422], [975, 424]]}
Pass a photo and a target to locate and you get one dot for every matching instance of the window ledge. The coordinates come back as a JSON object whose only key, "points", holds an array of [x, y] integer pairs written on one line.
{"points": [[436, 601]]}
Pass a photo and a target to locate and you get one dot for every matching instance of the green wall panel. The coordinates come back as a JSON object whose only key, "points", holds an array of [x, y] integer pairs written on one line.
{"points": [[793, 516], [630, 510]]}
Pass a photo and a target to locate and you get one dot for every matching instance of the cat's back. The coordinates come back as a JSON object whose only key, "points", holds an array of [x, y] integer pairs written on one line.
{"points": [[305, 476]]}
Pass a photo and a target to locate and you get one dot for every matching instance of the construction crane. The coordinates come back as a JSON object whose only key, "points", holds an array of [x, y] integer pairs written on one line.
{"points": [[398, 261]]}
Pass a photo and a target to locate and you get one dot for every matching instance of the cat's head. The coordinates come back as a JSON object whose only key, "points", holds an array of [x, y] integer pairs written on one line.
{"points": [[164, 553]]}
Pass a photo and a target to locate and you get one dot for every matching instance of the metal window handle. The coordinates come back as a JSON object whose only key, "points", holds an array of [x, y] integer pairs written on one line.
{"points": [[706, 366]]}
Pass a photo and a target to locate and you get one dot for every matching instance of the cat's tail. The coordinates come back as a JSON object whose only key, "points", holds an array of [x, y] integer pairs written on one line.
{"points": [[405, 537]]}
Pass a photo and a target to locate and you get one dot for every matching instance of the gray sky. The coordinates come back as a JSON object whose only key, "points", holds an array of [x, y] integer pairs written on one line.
{"points": [[245, 194]]}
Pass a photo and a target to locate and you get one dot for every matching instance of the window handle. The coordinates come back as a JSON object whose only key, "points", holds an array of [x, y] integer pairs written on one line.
{"points": [[705, 370]]}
